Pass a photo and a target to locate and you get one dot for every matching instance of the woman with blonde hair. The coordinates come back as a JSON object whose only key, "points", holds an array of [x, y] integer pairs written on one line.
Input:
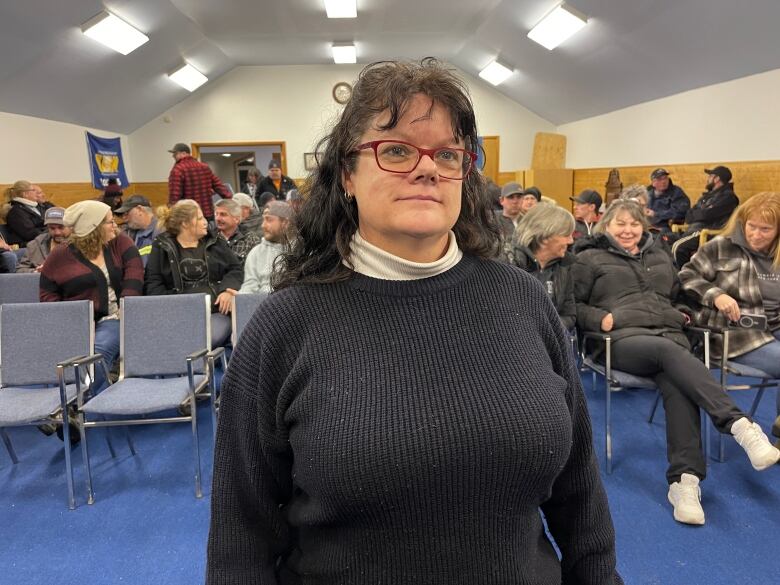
{"points": [[97, 265], [24, 217], [187, 258]]}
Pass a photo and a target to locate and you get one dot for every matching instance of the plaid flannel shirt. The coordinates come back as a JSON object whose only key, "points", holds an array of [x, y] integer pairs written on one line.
{"points": [[192, 179]]}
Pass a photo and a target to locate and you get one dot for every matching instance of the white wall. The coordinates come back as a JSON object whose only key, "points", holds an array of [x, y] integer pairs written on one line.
{"points": [[45, 151], [733, 121], [294, 104]]}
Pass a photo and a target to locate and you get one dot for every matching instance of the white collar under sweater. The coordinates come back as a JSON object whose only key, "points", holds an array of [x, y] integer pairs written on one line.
{"points": [[372, 261]]}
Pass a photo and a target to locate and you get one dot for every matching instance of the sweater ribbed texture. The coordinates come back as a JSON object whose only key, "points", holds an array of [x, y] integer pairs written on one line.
{"points": [[383, 432]]}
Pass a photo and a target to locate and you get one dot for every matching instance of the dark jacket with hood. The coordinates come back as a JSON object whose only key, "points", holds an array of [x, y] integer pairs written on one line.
{"points": [[713, 209], [671, 204], [556, 279], [638, 290], [267, 184], [163, 275]]}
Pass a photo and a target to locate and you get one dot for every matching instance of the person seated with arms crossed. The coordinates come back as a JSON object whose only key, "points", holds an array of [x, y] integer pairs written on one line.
{"points": [[187, 258], [38, 249], [140, 224], [259, 263], [540, 248], [734, 280], [363, 436], [625, 284], [99, 265], [227, 216]]}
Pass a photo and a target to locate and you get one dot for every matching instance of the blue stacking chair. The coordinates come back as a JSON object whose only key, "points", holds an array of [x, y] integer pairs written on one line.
{"points": [[22, 287], [162, 341], [39, 342]]}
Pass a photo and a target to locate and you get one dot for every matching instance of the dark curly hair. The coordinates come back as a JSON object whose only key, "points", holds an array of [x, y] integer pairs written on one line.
{"points": [[327, 221]]}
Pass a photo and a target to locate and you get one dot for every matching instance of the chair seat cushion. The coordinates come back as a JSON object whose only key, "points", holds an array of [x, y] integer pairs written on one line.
{"points": [[141, 396], [20, 405], [623, 379]]}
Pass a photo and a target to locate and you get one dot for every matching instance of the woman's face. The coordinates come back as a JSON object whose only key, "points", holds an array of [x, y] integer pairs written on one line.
{"points": [[197, 226], [399, 211], [626, 230], [109, 227], [760, 235], [554, 246]]}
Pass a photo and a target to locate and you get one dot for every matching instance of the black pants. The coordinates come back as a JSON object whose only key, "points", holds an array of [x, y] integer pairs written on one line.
{"points": [[686, 385]]}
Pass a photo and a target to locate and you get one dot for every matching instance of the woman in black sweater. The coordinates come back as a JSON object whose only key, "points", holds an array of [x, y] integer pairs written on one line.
{"points": [[364, 436], [625, 284]]}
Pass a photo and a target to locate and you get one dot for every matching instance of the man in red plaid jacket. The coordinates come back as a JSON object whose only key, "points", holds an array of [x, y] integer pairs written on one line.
{"points": [[192, 179]]}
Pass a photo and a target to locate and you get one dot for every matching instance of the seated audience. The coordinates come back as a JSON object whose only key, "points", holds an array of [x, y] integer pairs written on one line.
{"points": [[112, 195], [537, 195], [666, 202], [511, 202], [711, 211], [24, 218], [227, 215], [97, 265], [251, 218], [187, 258], [586, 212], [253, 178], [140, 224], [541, 241], [38, 249], [263, 199], [275, 182], [738, 273], [260, 261], [625, 284]]}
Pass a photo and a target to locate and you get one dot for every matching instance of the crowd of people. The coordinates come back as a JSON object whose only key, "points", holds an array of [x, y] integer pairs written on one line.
{"points": [[360, 425]]}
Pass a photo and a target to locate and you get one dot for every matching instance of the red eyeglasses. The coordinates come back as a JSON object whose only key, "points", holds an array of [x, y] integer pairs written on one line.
{"points": [[395, 156]]}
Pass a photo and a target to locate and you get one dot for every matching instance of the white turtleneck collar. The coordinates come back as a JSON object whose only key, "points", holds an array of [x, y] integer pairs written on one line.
{"points": [[28, 202], [369, 260]]}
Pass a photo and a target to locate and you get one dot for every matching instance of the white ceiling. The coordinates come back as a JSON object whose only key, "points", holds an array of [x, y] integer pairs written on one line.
{"points": [[632, 51]]}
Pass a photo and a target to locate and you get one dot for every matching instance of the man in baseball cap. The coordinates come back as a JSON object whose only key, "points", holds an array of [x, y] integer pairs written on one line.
{"points": [[259, 264], [140, 224], [192, 179], [666, 202], [586, 212], [56, 234], [275, 182], [711, 211], [180, 147]]}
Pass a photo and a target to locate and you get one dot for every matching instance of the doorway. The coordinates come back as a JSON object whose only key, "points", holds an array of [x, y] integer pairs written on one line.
{"points": [[231, 161]]}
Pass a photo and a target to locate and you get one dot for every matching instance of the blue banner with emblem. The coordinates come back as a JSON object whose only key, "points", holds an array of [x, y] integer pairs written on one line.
{"points": [[106, 161]]}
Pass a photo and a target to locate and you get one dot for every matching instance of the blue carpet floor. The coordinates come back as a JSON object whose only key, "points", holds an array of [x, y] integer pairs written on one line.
{"points": [[146, 526]]}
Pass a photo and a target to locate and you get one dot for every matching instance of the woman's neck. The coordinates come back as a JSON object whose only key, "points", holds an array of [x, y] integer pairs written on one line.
{"points": [[187, 240]]}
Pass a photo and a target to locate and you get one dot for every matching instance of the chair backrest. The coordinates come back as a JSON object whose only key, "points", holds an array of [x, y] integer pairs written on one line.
{"points": [[159, 332], [34, 337], [244, 306], [22, 287]]}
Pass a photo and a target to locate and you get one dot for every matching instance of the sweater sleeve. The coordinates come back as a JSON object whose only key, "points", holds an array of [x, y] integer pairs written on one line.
{"points": [[252, 469], [132, 267], [577, 511]]}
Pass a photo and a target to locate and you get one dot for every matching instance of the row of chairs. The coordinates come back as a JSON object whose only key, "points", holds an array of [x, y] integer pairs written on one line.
{"points": [[166, 359], [615, 381]]}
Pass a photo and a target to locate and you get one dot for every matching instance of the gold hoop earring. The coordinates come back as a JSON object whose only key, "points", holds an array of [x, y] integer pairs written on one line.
{"points": [[348, 196]]}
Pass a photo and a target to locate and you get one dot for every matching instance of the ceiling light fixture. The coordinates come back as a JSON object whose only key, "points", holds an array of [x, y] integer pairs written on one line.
{"points": [[558, 25], [114, 33], [344, 53], [496, 73], [226, 154], [188, 77], [341, 8]]}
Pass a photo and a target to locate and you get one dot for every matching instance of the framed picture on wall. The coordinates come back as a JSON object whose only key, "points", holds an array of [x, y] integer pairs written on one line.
{"points": [[309, 161]]}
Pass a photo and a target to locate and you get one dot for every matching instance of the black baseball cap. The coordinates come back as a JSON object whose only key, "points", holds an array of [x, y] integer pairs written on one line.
{"points": [[588, 196], [723, 172], [658, 173], [131, 202], [180, 147]]}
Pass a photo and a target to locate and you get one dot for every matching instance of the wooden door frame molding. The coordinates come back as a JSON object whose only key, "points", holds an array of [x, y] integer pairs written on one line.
{"points": [[196, 146]]}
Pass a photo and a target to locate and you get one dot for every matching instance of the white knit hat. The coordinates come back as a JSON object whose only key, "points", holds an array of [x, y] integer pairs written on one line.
{"points": [[85, 216]]}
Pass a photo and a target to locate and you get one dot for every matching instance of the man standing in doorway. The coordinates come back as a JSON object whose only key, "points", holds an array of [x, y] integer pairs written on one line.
{"points": [[275, 182], [192, 179]]}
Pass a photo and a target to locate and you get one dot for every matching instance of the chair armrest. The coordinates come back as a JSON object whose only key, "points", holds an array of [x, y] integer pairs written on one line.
{"points": [[678, 228], [215, 353], [197, 354], [706, 234], [596, 335], [85, 360]]}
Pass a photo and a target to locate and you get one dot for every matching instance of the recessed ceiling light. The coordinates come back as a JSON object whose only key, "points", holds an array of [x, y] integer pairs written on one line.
{"points": [[341, 8], [495, 73], [558, 25], [188, 77], [114, 33], [344, 53]]}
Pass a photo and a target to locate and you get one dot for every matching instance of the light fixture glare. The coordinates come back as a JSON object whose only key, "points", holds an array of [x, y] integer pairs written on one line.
{"points": [[495, 73], [344, 53], [114, 33], [559, 24], [341, 8], [188, 77]]}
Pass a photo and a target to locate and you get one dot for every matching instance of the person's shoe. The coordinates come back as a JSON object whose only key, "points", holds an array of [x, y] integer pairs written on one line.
{"points": [[685, 496], [752, 439]]}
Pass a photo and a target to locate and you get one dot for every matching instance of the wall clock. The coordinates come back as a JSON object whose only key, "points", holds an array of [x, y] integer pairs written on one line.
{"points": [[342, 91]]}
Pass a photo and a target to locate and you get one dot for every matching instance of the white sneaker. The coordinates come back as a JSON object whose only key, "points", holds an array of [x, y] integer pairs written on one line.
{"points": [[756, 444], [685, 496]]}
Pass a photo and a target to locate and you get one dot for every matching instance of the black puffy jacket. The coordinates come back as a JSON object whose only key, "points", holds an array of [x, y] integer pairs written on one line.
{"points": [[556, 279], [639, 291]]}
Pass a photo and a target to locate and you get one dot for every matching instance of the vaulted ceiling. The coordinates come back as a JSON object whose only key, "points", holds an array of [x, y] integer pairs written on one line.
{"points": [[632, 51]]}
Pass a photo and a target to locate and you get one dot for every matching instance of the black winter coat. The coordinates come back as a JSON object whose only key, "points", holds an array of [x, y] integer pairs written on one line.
{"points": [[638, 290], [713, 209], [163, 276], [24, 224], [556, 279], [267, 184]]}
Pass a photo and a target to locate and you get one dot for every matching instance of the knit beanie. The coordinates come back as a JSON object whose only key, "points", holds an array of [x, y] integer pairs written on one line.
{"points": [[279, 209], [85, 216]]}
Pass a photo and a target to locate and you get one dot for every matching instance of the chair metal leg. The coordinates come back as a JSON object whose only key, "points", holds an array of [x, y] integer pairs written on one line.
{"points": [[655, 406], [85, 458], [8, 446], [211, 365], [130, 441], [109, 442], [759, 395], [608, 423], [196, 448]]}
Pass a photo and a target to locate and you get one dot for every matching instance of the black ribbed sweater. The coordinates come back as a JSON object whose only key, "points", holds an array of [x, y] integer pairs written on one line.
{"points": [[407, 433]]}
